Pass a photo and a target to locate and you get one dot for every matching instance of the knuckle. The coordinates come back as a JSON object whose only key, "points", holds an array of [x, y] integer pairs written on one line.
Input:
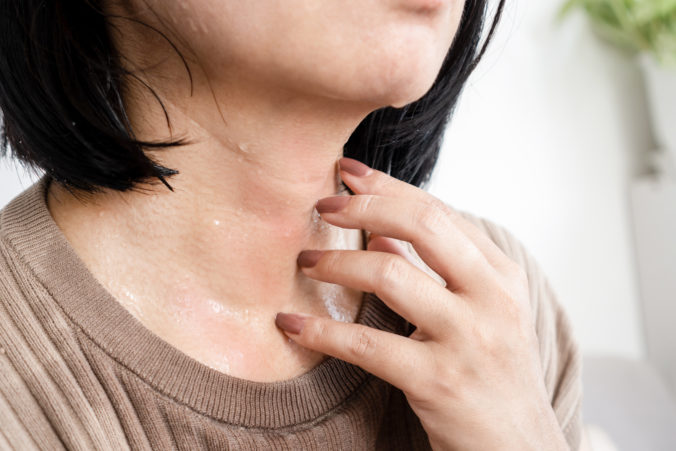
{"points": [[362, 343], [315, 332], [509, 305], [443, 387], [433, 219], [517, 281], [392, 270], [443, 382], [441, 205], [514, 318], [487, 341], [473, 254], [427, 390], [473, 257], [388, 182], [364, 204]]}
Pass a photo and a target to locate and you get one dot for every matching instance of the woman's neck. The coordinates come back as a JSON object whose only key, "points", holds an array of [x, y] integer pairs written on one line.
{"points": [[215, 260]]}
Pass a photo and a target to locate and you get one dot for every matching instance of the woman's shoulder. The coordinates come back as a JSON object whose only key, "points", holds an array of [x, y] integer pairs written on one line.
{"points": [[27, 356], [21, 417], [16, 219]]}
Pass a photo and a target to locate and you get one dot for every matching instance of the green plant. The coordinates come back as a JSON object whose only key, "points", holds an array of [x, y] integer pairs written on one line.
{"points": [[636, 25]]}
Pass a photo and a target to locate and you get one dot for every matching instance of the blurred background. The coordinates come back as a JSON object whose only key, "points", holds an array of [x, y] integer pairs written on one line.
{"points": [[565, 136]]}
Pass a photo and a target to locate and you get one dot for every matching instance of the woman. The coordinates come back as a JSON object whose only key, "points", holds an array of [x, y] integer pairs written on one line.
{"points": [[276, 294]]}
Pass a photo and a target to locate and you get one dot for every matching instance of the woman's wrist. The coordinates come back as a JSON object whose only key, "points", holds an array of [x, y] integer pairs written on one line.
{"points": [[542, 434]]}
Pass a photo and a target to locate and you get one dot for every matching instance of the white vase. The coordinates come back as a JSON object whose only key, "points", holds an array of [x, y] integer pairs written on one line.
{"points": [[660, 83]]}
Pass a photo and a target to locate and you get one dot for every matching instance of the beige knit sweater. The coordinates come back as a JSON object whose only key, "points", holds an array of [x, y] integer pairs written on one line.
{"points": [[77, 371]]}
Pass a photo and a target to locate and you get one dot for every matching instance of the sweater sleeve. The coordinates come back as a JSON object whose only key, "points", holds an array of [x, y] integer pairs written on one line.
{"points": [[559, 351]]}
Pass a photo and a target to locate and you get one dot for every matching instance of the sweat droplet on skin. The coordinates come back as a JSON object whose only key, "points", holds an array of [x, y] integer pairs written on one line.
{"points": [[133, 304], [330, 298], [318, 223]]}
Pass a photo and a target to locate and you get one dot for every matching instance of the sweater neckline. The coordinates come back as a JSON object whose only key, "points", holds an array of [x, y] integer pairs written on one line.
{"points": [[27, 225]]}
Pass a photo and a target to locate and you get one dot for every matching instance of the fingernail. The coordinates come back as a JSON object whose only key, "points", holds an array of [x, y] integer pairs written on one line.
{"points": [[290, 322], [354, 167], [331, 204], [307, 259]]}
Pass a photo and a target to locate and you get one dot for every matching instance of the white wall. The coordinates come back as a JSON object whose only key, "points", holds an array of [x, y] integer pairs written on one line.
{"points": [[13, 179], [546, 137]]}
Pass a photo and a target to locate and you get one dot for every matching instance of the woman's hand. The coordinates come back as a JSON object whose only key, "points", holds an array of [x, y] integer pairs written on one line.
{"points": [[471, 370]]}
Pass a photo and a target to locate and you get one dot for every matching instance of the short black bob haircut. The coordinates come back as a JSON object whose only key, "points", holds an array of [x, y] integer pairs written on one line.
{"points": [[61, 86]]}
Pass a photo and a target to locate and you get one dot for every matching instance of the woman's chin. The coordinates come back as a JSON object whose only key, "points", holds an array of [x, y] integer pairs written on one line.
{"points": [[405, 100], [407, 91], [408, 83]]}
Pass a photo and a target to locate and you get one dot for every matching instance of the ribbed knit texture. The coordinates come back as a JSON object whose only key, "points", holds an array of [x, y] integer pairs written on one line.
{"points": [[78, 371]]}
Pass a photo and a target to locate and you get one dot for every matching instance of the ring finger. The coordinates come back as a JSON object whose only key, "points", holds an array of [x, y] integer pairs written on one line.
{"points": [[407, 290]]}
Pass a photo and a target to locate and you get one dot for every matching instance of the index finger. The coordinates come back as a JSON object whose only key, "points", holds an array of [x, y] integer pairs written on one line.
{"points": [[365, 180]]}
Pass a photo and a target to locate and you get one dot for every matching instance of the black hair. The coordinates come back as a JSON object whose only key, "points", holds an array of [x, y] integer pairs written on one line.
{"points": [[61, 91]]}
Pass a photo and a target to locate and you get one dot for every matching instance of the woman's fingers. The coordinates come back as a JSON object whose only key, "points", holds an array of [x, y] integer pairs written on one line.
{"points": [[364, 180], [407, 290], [391, 357], [403, 248], [435, 237]]}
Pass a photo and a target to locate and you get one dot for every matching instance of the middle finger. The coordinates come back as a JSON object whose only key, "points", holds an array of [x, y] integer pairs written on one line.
{"points": [[435, 237], [407, 290]]}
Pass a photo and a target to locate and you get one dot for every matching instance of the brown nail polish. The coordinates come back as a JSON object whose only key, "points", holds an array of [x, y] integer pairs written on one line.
{"points": [[354, 167], [290, 322], [332, 204], [309, 258]]}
